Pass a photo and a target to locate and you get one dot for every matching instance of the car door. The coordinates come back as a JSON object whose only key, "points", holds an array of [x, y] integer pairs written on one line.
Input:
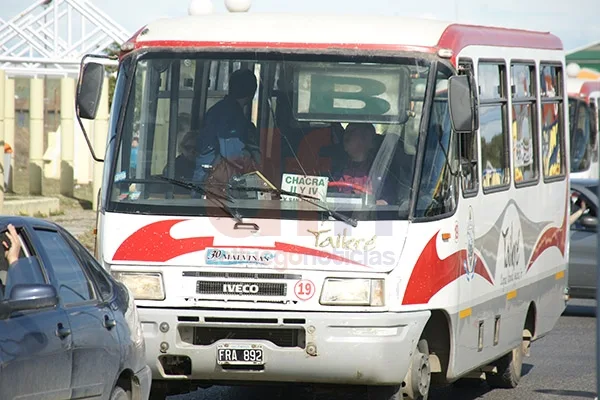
{"points": [[582, 255], [35, 346], [96, 347]]}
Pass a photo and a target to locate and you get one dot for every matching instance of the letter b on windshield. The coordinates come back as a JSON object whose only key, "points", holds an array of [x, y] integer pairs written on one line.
{"points": [[351, 95]]}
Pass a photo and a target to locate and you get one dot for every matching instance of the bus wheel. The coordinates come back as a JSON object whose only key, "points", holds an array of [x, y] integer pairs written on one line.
{"points": [[509, 369], [416, 383], [119, 393]]}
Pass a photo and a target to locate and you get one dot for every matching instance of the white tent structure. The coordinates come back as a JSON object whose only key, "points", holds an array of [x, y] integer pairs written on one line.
{"points": [[49, 39], [51, 36]]}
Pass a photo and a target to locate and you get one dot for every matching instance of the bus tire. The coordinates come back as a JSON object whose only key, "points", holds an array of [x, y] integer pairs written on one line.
{"points": [[509, 369], [119, 393], [416, 383]]}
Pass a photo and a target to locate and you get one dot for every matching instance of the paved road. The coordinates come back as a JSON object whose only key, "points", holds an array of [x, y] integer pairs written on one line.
{"points": [[561, 367]]}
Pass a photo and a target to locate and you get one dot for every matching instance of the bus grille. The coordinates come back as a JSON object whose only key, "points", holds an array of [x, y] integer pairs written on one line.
{"points": [[241, 288], [241, 275], [294, 337]]}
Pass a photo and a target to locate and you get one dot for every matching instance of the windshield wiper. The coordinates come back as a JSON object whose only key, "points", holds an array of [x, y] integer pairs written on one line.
{"points": [[309, 199], [216, 197]]}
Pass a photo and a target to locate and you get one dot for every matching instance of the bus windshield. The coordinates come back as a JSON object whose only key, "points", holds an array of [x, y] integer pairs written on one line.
{"points": [[580, 132], [341, 131]]}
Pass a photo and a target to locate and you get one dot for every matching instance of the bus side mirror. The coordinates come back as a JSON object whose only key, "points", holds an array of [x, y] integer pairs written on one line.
{"points": [[89, 90], [462, 102]]}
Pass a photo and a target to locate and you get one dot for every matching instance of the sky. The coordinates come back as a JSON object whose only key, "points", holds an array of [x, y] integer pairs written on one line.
{"points": [[574, 21]]}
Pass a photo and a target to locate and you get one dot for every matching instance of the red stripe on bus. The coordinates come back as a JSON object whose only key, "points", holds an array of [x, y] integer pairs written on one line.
{"points": [[552, 237], [431, 273], [154, 243]]}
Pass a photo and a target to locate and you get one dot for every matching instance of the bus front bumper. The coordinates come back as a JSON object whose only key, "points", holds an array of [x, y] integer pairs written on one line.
{"points": [[303, 347]]}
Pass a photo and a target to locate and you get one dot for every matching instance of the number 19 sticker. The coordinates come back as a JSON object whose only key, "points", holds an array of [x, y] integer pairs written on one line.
{"points": [[304, 289]]}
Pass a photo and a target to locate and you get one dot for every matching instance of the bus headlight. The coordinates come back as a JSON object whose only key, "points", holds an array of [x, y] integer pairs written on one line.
{"points": [[144, 286], [353, 292]]}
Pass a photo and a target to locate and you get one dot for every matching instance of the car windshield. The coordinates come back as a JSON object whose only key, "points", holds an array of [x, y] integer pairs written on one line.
{"points": [[340, 131]]}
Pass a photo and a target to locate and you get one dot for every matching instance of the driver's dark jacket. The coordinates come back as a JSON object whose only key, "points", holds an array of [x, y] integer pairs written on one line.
{"points": [[226, 128]]}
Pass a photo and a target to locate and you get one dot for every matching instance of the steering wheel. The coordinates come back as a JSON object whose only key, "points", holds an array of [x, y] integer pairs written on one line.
{"points": [[349, 185]]}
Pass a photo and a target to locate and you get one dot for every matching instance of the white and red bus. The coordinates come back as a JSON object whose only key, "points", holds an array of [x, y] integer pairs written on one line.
{"points": [[584, 96], [443, 261]]}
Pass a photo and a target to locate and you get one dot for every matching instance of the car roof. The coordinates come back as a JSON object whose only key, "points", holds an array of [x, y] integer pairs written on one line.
{"points": [[22, 220]]}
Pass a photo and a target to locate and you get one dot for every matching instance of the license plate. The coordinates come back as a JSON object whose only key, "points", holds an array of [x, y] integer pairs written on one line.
{"points": [[240, 354]]}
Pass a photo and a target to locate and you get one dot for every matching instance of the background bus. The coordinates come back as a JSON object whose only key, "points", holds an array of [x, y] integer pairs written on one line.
{"points": [[584, 120]]}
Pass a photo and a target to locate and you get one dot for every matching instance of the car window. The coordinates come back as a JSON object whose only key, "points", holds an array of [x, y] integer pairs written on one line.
{"points": [[576, 198], [26, 270], [73, 285], [98, 274]]}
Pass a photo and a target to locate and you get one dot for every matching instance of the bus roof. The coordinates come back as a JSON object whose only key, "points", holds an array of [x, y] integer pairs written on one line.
{"points": [[297, 31], [583, 88]]}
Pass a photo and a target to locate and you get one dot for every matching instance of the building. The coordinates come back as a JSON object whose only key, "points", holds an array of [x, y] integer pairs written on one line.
{"points": [[588, 58]]}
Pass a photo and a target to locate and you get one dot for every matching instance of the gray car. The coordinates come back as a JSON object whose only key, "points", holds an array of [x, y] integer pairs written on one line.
{"points": [[582, 259], [68, 330]]}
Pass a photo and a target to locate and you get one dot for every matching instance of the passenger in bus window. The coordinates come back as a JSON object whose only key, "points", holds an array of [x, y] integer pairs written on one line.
{"points": [[227, 132], [359, 145], [185, 163]]}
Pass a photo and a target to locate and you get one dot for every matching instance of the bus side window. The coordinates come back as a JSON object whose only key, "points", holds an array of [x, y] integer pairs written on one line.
{"points": [[552, 121], [493, 129], [524, 126]]}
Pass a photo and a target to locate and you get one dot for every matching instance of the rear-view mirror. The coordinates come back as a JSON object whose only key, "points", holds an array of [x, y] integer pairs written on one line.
{"points": [[89, 90], [462, 104], [589, 222], [24, 297]]}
